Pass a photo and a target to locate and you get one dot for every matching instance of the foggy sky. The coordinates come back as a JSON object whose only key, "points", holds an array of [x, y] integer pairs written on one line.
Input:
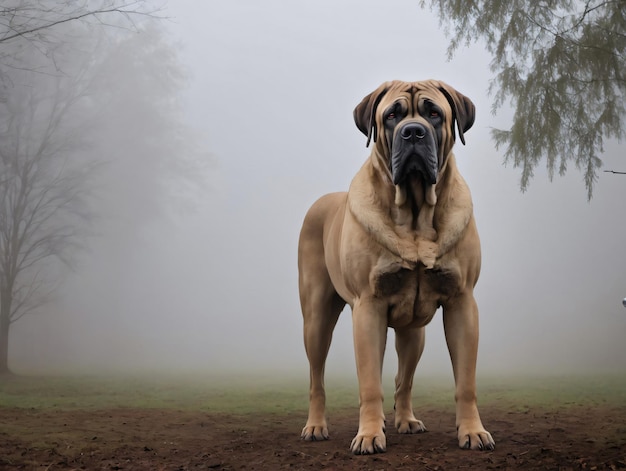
{"points": [[213, 284]]}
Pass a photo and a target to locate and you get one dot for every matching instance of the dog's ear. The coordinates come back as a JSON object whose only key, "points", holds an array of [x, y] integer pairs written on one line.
{"points": [[463, 110], [365, 112]]}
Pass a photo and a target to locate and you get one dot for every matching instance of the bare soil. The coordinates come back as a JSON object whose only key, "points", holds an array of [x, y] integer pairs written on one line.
{"points": [[572, 437]]}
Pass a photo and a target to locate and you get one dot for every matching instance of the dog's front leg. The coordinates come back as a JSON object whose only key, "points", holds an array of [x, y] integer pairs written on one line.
{"points": [[460, 317], [370, 335]]}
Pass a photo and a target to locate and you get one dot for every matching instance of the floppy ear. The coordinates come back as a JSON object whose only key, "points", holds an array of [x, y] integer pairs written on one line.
{"points": [[463, 110], [365, 112]]}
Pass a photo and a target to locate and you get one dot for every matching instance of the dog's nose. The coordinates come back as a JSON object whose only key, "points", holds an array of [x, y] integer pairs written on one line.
{"points": [[412, 131]]}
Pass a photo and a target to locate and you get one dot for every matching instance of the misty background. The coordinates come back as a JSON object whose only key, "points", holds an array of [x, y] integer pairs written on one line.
{"points": [[198, 272]]}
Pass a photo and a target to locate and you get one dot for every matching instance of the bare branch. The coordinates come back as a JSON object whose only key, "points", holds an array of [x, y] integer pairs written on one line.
{"points": [[122, 11]]}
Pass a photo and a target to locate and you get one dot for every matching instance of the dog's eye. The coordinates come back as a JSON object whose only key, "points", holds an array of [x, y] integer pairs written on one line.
{"points": [[434, 114], [391, 116]]}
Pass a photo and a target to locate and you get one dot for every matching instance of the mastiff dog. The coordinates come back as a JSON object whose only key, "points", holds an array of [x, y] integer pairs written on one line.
{"points": [[401, 243]]}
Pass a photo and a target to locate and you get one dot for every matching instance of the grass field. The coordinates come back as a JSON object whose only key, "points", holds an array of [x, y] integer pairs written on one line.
{"points": [[270, 394]]}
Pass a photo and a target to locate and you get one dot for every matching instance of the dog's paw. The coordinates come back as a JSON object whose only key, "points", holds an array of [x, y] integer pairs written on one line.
{"points": [[475, 437], [369, 443], [313, 433], [411, 425]]}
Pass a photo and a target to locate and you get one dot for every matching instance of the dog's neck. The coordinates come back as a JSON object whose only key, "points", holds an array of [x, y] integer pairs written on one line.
{"points": [[413, 202], [414, 207]]}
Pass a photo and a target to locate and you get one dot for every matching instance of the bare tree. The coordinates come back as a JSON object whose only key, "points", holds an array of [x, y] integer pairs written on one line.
{"points": [[40, 189], [562, 66], [54, 109]]}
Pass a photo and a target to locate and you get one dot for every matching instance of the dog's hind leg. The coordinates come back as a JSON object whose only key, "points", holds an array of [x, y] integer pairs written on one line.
{"points": [[409, 346], [321, 306]]}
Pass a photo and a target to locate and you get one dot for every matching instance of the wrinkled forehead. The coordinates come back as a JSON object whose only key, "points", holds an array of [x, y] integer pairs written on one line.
{"points": [[414, 97]]}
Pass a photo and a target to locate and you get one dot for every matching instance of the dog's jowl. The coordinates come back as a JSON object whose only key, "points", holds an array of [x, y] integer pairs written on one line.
{"points": [[398, 245]]}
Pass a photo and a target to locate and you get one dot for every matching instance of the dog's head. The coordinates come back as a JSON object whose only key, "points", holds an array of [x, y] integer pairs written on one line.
{"points": [[412, 125]]}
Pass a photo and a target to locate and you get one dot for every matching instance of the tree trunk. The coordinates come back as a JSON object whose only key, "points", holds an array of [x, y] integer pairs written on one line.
{"points": [[5, 321]]}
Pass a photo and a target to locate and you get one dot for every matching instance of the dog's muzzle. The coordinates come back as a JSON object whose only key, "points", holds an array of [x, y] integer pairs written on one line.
{"points": [[414, 150]]}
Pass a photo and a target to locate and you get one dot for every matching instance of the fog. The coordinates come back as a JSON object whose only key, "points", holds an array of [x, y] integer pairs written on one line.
{"points": [[209, 283]]}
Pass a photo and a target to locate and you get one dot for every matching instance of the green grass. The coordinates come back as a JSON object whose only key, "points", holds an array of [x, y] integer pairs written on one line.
{"points": [[218, 394], [245, 394]]}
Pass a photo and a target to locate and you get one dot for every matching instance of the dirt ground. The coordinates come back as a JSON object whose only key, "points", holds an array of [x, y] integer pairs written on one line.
{"points": [[574, 437]]}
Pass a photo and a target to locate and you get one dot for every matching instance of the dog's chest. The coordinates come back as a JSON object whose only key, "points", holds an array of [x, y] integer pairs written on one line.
{"points": [[415, 295]]}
